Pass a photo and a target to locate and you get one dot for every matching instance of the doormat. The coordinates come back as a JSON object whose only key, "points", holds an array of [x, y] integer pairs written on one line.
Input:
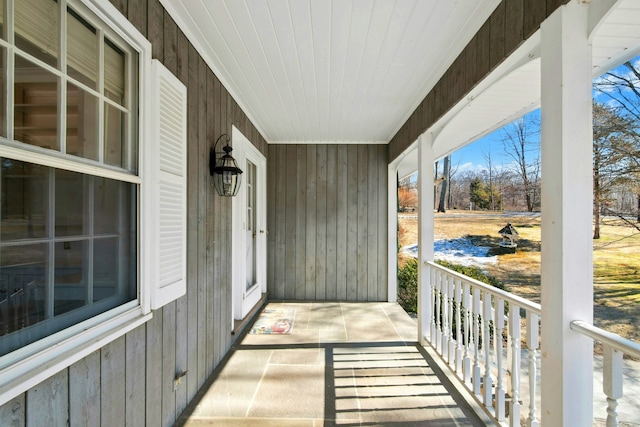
{"points": [[274, 321]]}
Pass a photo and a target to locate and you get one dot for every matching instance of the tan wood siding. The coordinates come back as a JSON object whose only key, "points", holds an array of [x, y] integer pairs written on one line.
{"points": [[131, 380], [328, 226], [512, 22]]}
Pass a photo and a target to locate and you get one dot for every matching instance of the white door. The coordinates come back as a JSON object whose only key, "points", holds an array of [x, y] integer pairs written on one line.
{"points": [[249, 244]]}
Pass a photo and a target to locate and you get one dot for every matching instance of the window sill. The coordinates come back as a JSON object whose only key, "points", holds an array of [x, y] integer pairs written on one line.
{"points": [[28, 366]]}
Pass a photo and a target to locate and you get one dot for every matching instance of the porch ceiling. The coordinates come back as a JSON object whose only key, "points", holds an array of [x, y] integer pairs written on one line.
{"points": [[513, 88], [329, 71]]}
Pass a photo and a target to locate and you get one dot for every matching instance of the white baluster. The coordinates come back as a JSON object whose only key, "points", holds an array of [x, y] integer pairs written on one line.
{"points": [[432, 301], [476, 340], [514, 333], [458, 306], [498, 327], [612, 382], [438, 313], [532, 344], [450, 330], [486, 345], [446, 330], [468, 338]]}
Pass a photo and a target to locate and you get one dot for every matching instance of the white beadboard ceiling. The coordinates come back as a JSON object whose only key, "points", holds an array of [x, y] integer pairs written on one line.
{"points": [[329, 71]]}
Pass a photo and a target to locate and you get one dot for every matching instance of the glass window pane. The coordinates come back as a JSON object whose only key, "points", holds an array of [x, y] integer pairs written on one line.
{"points": [[109, 198], [3, 90], [70, 286], [36, 27], [70, 200], [82, 50], [105, 268], [114, 75], [23, 272], [36, 105], [115, 138], [82, 123], [23, 200]]}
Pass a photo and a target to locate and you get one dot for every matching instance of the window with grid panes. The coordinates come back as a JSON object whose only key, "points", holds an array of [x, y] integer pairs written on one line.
{"points": [[69, 184]]}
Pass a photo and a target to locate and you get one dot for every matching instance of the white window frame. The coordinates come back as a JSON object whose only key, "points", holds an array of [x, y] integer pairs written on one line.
{"points": [[26, 367]]}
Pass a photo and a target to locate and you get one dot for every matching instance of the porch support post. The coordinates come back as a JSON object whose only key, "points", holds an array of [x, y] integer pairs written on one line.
{"points": [[425, 234], [567, 247]]}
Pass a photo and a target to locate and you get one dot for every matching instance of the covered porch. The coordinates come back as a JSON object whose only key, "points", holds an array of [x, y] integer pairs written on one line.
{"points": [[347, 364]]}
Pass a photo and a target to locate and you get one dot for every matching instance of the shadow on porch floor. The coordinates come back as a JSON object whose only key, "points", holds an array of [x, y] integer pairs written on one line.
{"points": [[343, 364]]}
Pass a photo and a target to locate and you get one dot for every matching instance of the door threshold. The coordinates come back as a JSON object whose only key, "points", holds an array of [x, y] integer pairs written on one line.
{"points": [[239, 325]]}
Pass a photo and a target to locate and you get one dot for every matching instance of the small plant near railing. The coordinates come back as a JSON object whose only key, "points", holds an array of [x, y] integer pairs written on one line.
{"points": [[408, 286], [474, 273], [408, 281], [479, 275]]}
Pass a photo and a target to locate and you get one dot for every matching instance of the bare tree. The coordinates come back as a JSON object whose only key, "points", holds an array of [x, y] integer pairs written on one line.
{"points": [[487, 158], [445, 180], [521, 142], [622, 87], [616, 154]]}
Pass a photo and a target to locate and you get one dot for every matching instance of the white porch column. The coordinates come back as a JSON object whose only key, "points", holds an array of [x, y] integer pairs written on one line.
{"points": [[425, 232], [567, 247]]}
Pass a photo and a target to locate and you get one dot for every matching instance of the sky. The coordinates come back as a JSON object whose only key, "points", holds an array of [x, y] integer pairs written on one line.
{"points": [[471, 157]]}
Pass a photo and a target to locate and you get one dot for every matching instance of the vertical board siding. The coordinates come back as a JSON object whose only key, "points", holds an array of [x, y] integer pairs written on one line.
{"points": [[12, 413], [135, 377], [291, 221], [153, 400], [510, 24], [331, 208], [130, 381], [301, 241], [193, 229], [48, 402], [84, 391], [341, 221], [112, 383]]}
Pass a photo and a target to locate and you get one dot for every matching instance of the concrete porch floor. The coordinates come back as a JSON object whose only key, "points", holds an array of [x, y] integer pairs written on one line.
{"points": [[344, 364]]}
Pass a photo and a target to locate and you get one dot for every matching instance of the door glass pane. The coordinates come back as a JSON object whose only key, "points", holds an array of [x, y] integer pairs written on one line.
{"points": [[251, 225], [23, 200], [82, 123], [36, 105], [3, 90], [82, 50], [23, 271], [36, 27], [70, 286], [70, 202], [114, 137], [2, 19], [113, 72]]}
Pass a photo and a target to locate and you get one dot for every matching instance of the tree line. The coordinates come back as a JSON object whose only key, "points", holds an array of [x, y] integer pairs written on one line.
{"points": [[515, 186]]}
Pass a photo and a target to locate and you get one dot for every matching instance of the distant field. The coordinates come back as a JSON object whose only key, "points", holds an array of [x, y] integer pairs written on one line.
{"points": [[616, 262]]}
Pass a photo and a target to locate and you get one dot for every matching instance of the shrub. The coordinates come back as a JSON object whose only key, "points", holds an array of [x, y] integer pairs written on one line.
{"points": [[408, 281], [474, 273], [408, 286]]}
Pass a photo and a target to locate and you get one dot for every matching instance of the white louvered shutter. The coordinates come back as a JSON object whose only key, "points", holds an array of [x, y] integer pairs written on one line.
{"points": [[169, 152]]}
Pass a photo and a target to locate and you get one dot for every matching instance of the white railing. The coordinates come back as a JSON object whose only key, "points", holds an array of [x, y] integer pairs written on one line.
{"points": [[614, 347], [477, 329]]}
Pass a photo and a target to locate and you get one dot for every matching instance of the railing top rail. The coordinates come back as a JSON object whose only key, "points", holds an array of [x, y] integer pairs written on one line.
{"points": [[507, 296], [617, 342]]}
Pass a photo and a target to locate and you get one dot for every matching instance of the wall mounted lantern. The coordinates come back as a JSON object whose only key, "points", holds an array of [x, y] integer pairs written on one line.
{"points": [[224, 169]]}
